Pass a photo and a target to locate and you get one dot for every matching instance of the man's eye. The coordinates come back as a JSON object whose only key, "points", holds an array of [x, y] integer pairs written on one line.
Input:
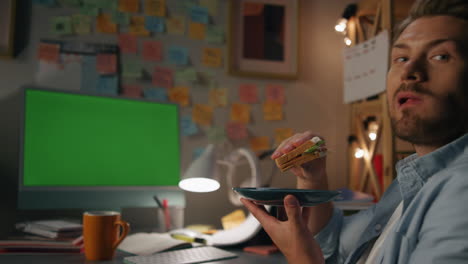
{"points": [[401, 59], [441, 57]]}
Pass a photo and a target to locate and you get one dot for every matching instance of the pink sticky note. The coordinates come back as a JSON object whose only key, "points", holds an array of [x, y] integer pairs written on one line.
{"points": [[49, 52], [106, 63], [236, 130], [128, 43], [152, 50], [163, 77], [248, 93], [132, 90], [275, 93]]}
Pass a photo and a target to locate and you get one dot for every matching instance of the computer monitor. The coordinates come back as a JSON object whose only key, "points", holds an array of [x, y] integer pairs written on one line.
{"points": [[90, 151]]}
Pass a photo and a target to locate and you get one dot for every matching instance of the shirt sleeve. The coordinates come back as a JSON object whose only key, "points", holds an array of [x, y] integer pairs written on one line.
{"points": [[328, 237]]}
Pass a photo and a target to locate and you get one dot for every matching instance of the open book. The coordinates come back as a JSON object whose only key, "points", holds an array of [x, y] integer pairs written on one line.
{"points": [[150, 243]]}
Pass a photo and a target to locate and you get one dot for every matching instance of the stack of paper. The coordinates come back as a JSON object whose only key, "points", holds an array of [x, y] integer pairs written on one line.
{"points": [[52, 228]]}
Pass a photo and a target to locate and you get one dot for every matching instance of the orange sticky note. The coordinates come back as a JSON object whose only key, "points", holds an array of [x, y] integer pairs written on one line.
{"points": [[275, 93], [240, 113], [106, 63], [281, 134], [132, 90], [137, 26], [248, 93], [218, 97], [176, 25], [202, 114], [128, 44], [163, 77], [49, 52], [272, 111], [152, 50], [131, 6], [155, 8], [105, 24], [197, 30], [179, 95], [236, 130], [212, 57], [259, 143]]}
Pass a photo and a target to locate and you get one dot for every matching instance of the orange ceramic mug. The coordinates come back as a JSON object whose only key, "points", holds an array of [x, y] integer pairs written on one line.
{"points": [[102, 233]]}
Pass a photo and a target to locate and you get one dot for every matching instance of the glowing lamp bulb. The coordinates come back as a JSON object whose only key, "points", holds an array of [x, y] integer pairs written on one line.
{"points": [[341, 25], [359, 153], [199, 185], [372, 136], [347, 41]]}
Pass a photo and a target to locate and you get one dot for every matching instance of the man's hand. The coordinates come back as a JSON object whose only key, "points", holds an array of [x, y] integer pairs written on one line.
{"points": [[292, 236]]}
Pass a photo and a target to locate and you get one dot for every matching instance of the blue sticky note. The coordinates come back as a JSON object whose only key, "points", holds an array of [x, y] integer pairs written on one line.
{"points": [[197, 152], [178, 55], [89, 74], [188, 126], [108, 84], [199, 14], [159, 94], [155, 24]]}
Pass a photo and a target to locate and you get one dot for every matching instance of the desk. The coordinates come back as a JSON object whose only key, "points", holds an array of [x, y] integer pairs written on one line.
{"points": [[243, 257]]}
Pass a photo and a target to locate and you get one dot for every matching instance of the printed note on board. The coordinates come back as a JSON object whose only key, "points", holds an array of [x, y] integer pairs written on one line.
{"points": [[248, 93], [106, 63], [137, 26], [240, 113], [152, 50], [187, 126], [49, 52], [212, 57], [275, 93], [176, 25], [178, 55], [260, 143], [202, 114], [179, 95], [155, 8], [272, 111], [131, 90], [282, 134], [218, 97], [199, 14], [155, 24], [163, 77], [131, 6], [197, 31], [159, 94], [81, 24], [104, 24], [61, 25], [236, 130]]}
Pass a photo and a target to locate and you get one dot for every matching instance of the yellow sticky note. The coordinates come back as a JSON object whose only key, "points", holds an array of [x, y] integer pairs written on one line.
{"points": [[176, 25], [104, 24], [155, 8], [281, 134], [202, 114], [240, 113], [272, 111], [218, 97], [179, 95], [131, 6], [259, 143], [212, 57], [233, 219], [211, 5], [197, 30], [137, 26]]}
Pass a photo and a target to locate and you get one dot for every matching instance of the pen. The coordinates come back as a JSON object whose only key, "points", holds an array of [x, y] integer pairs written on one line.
{"points": [[189, 238], [155, 197], [167, 216]]}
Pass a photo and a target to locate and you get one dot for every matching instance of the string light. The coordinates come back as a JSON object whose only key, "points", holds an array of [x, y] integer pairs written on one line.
{"points": [[359, 153], [347, 41]]}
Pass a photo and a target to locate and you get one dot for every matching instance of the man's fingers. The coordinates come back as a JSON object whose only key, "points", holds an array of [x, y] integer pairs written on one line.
{"points": [[261, 214], [293, 209]]}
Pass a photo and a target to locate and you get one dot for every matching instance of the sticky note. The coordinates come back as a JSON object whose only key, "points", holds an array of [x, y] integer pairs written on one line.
{"points": [[186, 75], [212, 57], [128, 44], [155, 8], [275, 93], [236, 130], [89, 10], [155, 24], [152, 50], [211, 5], [132, 68], [81, 24], [187, 126], [137, 26], [233, 220], [163, 77], [202, 114], [215, 34], [240, 113], [104, 24], [248, 93], [282, 134], [179, 95], [218, 97], [176, 25], [131, 6], [272, 111], [197, 31], [199, 14], [106, 63], [108, 85], [61, 25], [89, 75], [131, 90], [216, 134], [178, 55], [259, 143], [159, 94], [49, 52], [121, 18]]}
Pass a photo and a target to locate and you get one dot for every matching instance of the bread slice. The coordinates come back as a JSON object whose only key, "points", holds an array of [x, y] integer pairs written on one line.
{"points": [[298, 156]]}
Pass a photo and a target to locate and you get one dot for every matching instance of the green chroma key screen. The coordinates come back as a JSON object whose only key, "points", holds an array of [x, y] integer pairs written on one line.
{"points": [[73, 139]]}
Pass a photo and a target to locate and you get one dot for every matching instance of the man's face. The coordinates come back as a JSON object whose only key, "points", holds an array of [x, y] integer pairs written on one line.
{"points": [[426, 81]]}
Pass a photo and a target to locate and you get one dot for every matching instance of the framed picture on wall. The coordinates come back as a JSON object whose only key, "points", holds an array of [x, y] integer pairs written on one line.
{"points": [[263, 38], [7, 32]]}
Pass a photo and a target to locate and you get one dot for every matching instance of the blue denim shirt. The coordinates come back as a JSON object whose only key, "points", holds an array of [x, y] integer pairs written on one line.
{"points": [[433, 227]]}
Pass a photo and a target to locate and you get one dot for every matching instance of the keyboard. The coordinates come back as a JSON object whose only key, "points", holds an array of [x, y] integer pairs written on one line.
{"points": [[182, 256]]}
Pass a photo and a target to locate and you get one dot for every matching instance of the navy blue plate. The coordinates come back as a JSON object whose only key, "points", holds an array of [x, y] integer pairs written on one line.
{"points": [[275, 196]]}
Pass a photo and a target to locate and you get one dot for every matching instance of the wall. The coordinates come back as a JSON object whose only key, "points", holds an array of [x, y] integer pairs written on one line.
{"points": [[314, 102]]}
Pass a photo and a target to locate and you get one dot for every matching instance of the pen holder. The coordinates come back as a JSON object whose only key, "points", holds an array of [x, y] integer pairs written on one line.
{"points": [[169, 218]]}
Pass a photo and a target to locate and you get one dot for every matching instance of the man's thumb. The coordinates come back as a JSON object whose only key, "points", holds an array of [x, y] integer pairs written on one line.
{"points": [[293, 209]]}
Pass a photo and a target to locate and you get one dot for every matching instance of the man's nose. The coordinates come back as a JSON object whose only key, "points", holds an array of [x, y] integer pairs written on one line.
{"points": [[414, 71]]}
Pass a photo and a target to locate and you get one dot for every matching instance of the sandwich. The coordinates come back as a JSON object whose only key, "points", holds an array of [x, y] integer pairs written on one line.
{"points": [[310, 150]]}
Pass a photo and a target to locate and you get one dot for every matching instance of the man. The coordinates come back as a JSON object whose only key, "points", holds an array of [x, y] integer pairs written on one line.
{"points": [[421, 217]]}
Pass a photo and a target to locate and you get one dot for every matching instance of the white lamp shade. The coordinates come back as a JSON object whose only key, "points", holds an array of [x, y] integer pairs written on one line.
{"points": [[199, 175]]}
